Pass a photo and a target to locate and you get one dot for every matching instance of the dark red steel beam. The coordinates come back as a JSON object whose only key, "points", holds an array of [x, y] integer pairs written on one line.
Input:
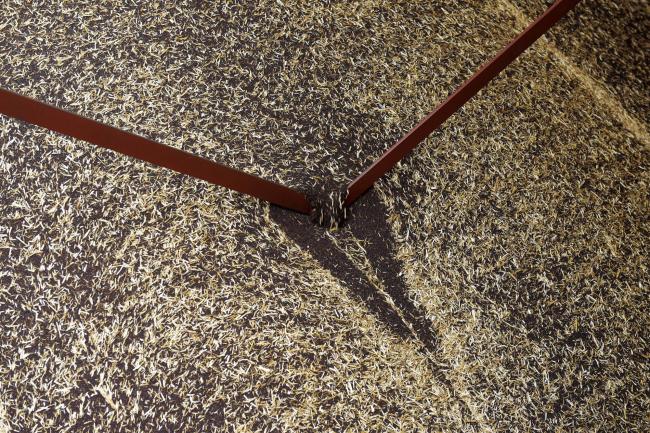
{"points": [[73, 125], [454, 102]]}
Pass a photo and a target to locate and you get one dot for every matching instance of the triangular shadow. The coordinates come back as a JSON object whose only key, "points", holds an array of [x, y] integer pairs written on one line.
{"points": [[368, 224]]}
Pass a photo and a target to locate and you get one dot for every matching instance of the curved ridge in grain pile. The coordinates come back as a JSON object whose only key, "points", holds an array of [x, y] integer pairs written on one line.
{"points": [[496, 280]]}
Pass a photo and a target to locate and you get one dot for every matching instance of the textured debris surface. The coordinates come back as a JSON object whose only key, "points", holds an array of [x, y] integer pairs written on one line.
{"points": [[497, 280], [328, 209]]}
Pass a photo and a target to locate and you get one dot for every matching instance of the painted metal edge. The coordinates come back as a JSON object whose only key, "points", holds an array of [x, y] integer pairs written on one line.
{"points": [[457, 99], [76, 126]]}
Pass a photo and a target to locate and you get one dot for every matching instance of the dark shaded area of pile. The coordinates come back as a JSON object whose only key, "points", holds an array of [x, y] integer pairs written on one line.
{"points": [[497, 280]]}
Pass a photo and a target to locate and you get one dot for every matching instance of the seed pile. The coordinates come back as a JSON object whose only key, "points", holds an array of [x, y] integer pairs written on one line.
{"points": [[609, 42], [328, 209], [497, 280], [523, 226]]}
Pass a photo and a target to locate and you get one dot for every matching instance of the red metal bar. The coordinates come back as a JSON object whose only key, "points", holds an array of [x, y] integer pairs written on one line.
{"points": [[73, 125], [454, 102]]}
